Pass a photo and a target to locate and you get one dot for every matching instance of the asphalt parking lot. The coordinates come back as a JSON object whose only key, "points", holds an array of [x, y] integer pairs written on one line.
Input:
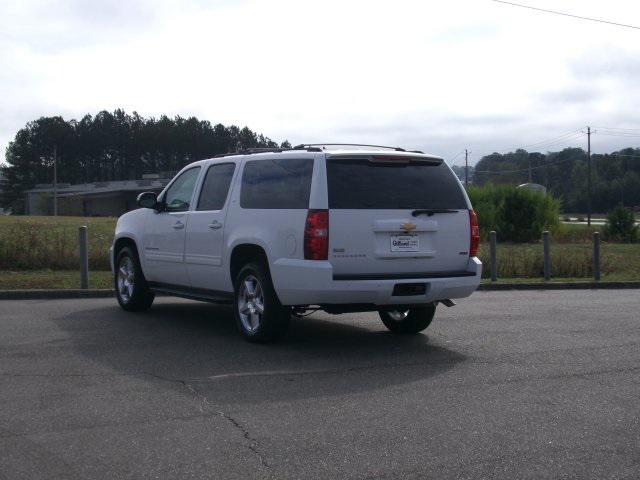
{"points": [[542, 384]]}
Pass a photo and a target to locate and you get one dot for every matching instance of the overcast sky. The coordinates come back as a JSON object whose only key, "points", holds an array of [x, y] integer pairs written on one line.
{"points": [[440, 76]]}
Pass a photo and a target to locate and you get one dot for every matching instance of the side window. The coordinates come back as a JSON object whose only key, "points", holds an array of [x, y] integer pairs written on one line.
{"points": [[178, 197], [279, 183], [216, 186]]}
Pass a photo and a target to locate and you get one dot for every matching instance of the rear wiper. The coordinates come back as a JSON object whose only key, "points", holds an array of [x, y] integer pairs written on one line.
{"points": [[431, 211]]}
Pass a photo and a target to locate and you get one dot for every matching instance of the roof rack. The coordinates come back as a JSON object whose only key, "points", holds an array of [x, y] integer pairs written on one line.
{"points": [[252, 151], [307, 145]]}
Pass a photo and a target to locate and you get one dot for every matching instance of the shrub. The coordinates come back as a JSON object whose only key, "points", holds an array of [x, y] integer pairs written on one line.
{"points": [[621, 226], [516, 214]]}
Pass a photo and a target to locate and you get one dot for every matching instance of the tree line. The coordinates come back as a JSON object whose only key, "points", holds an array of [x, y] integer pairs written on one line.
{"points": [[113, 146], [121, 146], [615, 177]]}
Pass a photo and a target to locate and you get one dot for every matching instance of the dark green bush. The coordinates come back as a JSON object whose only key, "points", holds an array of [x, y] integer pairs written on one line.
{"points": [[621, 226], [516, 214]]}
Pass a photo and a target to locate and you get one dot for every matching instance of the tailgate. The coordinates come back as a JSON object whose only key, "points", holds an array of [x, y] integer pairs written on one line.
{"points": [[395, 219]]}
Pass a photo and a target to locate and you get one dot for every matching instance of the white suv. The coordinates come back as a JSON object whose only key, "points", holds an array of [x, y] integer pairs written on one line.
{"points": [[282, 232]]}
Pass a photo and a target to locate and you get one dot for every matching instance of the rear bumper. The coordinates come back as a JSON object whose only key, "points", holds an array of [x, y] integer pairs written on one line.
{"points": [[308, 282]]}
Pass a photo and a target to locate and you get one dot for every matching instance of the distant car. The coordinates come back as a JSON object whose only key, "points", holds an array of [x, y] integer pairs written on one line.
{"points": [[280, 233]]}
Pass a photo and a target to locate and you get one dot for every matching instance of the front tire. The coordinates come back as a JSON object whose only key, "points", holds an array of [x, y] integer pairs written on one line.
{"points": [[131, 287], [409, 321], [259, 314]]}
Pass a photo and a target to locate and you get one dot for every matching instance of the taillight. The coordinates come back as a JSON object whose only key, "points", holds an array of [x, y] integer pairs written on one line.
{"points": [[475, 234], [316, 235]]}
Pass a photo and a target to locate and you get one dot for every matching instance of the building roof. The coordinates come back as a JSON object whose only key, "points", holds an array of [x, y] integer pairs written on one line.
{"points": [[68, 190]]}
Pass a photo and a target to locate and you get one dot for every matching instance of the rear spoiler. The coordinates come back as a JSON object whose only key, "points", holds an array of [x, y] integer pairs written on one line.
{"points": [[390, 158]]}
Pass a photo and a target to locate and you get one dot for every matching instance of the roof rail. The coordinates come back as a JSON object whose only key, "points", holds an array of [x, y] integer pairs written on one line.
{"points": [[252, 151], [307, 145]]}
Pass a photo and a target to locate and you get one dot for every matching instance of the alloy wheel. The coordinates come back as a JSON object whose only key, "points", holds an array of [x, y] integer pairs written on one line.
{"points": [[251, 303], [398, 315], [126, 275]]}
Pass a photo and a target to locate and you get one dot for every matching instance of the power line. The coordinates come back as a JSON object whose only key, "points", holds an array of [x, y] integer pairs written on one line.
{"points": [[558, 140], [553, 140], [543, 143], [502, 172], [550, 164], [455, 156], [611, 134], [619, 128], [555, 12]]}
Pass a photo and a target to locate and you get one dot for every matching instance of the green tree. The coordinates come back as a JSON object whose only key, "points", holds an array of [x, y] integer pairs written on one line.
{"points": [[113, 146]]}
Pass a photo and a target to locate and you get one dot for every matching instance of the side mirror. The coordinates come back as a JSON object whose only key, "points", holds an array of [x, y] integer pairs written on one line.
{"points": [[148, 200]]}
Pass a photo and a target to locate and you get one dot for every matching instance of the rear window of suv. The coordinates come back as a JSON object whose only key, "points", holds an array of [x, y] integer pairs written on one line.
{"points": [[283, 183], [362, 184]]}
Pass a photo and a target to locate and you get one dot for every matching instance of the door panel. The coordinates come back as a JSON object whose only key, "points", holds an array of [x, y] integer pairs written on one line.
{"points": [[205, 230], [165, 232], [164, 248], [203, 251]]}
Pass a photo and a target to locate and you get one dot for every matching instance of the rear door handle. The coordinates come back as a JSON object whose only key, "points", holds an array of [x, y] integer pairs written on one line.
{"points": [[178, 225], [215, 225]]}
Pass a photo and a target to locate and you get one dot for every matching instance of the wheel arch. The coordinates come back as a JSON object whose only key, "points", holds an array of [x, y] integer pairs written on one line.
{"points": [[244, 253], [120, 243]]}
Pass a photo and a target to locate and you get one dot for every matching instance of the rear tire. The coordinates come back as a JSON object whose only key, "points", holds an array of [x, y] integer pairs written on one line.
{"points": [[131, 287], [409, 321], [259, 314]]}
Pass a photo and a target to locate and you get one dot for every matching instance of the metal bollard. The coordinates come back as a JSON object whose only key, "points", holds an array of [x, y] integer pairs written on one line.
{"points": [[547, 255], [494, 257], [596, 256], [84, 258]]}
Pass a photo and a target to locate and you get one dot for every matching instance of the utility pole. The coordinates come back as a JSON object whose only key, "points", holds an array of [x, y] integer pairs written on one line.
{"points": [[530, 177], [589, 176], [55, 181], [466, 168]]}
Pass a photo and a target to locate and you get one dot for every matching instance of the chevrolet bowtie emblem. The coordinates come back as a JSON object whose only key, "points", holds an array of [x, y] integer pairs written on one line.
{"points": [[407, 227]]}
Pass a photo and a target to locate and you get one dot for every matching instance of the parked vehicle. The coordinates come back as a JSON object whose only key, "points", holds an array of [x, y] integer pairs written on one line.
{"points": [[283, 232]]}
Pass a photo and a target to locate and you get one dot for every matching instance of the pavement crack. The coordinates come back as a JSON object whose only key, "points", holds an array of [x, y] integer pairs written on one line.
{"points": [[253, 442]]}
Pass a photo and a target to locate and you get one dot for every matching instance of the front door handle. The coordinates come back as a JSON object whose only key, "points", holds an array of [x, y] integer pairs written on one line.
{"points": [[215, 225], [178, 225]]}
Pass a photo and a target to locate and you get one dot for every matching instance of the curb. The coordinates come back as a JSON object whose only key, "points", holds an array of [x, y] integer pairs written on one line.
{"points": [[560, 286], [37, 294]]}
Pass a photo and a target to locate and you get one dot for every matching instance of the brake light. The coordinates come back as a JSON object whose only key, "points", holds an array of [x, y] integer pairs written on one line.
{"points": [[475, 234], [389, 158], [316, 235]]}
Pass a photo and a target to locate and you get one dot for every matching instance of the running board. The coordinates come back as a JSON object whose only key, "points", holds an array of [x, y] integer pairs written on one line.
{"points": [[202, 294]]}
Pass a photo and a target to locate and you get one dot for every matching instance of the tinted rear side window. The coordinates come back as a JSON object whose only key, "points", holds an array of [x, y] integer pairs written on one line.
{"points": [[216, 186], [278, 183], [361, 184]]}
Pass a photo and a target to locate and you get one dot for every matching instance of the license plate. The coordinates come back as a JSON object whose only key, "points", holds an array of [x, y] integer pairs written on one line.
{"points": [[405, 243]]}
